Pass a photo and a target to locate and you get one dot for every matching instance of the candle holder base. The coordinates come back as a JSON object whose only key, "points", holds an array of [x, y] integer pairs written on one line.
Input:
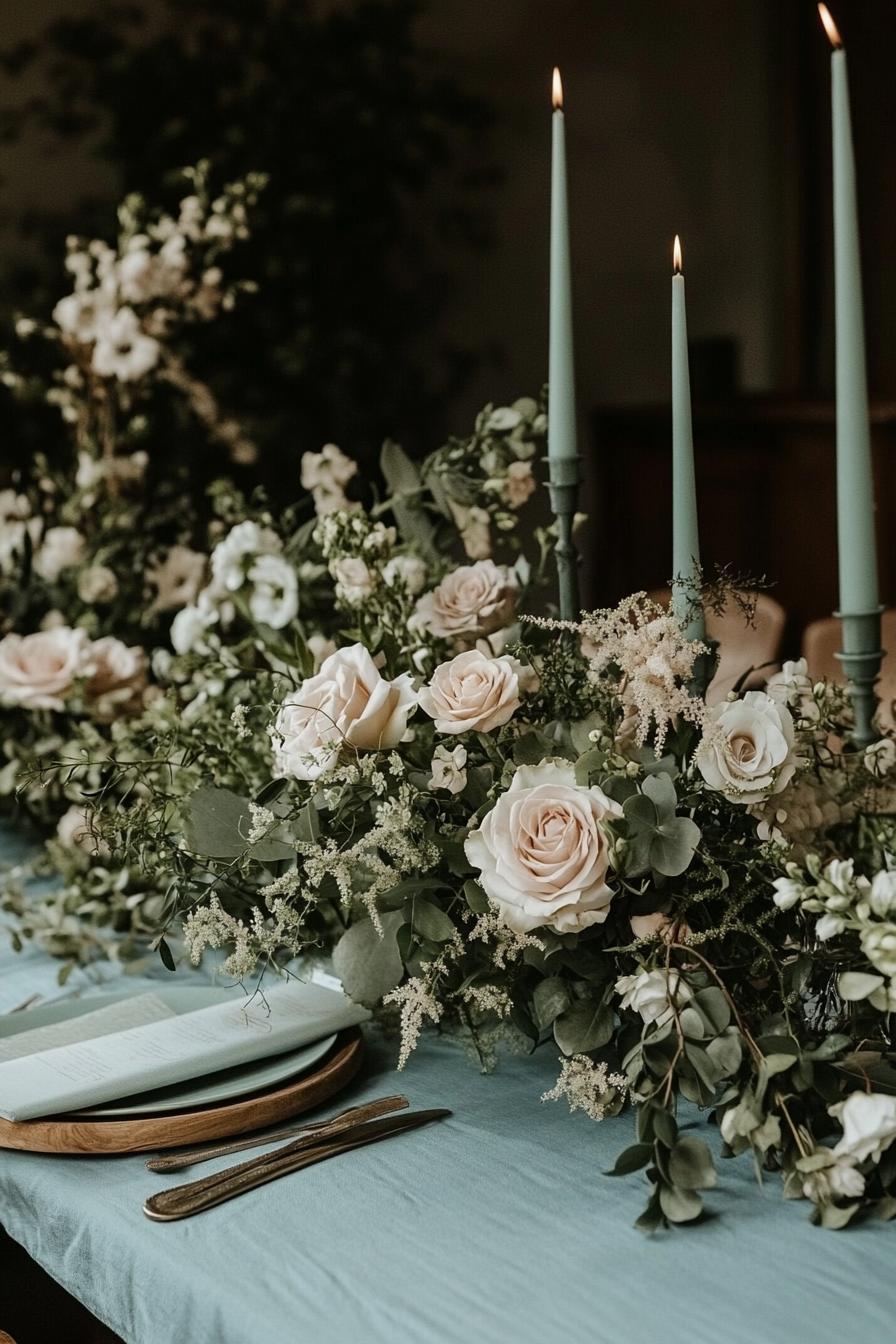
{"points": [[563, 486], [861, 658]]}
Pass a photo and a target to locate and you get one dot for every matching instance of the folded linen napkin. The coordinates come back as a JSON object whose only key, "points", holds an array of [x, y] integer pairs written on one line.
{"points": [[158, 1053]]}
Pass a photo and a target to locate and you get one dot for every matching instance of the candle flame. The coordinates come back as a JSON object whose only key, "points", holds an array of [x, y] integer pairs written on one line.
{"points": [[830, 26], [676, 255], [557, 90]]}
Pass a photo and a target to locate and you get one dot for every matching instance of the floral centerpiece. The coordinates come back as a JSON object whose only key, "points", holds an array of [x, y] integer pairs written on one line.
{"points": [[525, 829]]}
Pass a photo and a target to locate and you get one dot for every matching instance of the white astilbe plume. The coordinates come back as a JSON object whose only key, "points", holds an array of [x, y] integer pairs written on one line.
{"points": [[652, 657], [588, 1087], [417, 1003]]}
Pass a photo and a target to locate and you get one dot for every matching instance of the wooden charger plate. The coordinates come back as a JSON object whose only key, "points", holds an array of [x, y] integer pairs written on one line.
{"points": [[77, 1134]]}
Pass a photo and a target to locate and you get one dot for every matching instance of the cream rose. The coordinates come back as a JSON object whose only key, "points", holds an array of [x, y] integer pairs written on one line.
{"points": [[747, 750], [542, 852], [471, 601], [39, 671], [869, 1125], [474, 692], [346, 702], [118, 675]]}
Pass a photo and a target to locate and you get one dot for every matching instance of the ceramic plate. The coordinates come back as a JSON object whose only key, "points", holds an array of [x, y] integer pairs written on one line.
{"points": [[226, 1085]]}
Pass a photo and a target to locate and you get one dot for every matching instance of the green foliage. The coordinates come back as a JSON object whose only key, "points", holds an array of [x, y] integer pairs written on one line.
{"points": [[368, 961]]}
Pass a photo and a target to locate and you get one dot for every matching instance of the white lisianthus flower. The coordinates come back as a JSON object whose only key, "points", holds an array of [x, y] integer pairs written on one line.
{"points": [[354, 581], [97, 583], [448, 769], [869, 1125], [879, 945], [177, 578], [190, 626], [787, 892], [347, 703], [12, 540], [652, 994], [275, 592], [326, 475], [880, 758], [229, 558], [123, 350], [542, 851], [40, 671], [83, 314], [747, 750], [61, 548], [73, 831], [882, 894], [471, 601], [503, 419], [408, 570], [475, 693], [792, 685]]}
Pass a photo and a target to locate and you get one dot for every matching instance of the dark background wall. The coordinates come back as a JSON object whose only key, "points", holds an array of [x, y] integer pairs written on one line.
{"points": [[705, 117]]}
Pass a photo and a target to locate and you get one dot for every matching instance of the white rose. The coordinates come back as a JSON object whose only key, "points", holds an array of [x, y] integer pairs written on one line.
{"points": [[653, 993], [542, 852], [354, 581], [97, 584], [405, 569], [346, 702], [747, 749], [275, 594], [189, 627], [38, 671], [449, 769], [474, 692], [61, 548], [471, 601], [869, 1124], [228, 559]]}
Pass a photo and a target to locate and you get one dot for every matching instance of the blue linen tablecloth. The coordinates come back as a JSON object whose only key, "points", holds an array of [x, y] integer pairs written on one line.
{"points": [[495, 1226]]}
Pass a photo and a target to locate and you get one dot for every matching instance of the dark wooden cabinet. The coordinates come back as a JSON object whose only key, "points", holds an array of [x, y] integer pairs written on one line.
{"points": [[766, 493]]}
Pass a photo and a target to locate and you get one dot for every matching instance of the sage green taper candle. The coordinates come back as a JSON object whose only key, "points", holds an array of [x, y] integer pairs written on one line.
{"points": [[562, 452], [685, 536], [857, 554]]}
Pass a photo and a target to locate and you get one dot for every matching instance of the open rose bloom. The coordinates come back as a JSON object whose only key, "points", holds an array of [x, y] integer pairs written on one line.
{"points": [[40, 671], [346, 703], [542, 852], [471, 601], [475, 693]]}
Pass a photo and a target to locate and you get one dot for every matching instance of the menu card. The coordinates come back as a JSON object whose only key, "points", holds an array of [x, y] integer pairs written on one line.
{"points": [[164, 1050]]}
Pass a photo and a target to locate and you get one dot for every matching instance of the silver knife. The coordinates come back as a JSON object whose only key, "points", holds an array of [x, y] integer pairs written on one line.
{"points": [[182, 1201]]}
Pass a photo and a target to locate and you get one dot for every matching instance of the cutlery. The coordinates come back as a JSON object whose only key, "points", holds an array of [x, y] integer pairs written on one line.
{"points": [[184, 1200], [355, 1114]]}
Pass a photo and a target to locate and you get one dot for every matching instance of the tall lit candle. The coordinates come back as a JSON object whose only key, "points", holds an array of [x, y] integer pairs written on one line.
{"points": [[562, 451], [685, 535], [859, 595]]}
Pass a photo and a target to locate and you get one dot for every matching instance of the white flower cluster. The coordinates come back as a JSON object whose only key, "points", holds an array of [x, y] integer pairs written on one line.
{"points": [[359, 552], [126, 298], [484, 480], [588, 1087], [248, 562], [846, 902]]}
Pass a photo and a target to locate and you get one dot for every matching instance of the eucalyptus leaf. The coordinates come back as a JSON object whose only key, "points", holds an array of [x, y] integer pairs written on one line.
{"points": [[585, 1026], [428, 920], [550, 998], [680, 1206], [369, 965], [218, 822], [691, 1166], [631, 1159]]}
